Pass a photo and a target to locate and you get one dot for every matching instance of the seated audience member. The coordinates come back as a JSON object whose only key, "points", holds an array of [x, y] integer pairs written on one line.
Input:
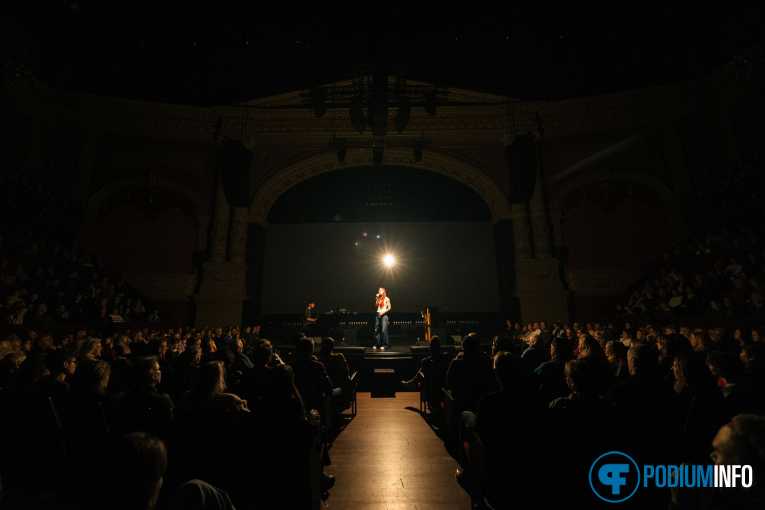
{"points": [[10, 363], [433, 369], [535, 354], [209, 350], [645, 401], [616, 353], [516, 333], [92, 410], [336, 367], [137, 461], [40, 316], [61, 365], [664, 314], [574, 418], [122, 347], [545, 335], [728, 369], [592, 353], [207, 391], [311, 377], [209, 432], [470, 374], [700, 402], [753, 358], [739, 442], [89, 351], [700, 342], [42, 344], [693, 304], [139, 345], [144, 408], [513, 426], [250, 337], [255, 383], [290, 432], [602, 337], [198, 495], [185, 367], [241, 362], [107, 350], [502, 344], [671, 345], [550, 375]]}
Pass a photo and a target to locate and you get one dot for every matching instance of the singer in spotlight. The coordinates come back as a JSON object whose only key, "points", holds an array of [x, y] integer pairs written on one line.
{"points": [[382, 302]]}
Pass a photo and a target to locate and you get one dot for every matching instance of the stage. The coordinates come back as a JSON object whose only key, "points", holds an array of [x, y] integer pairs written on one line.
{"points": [[370, 365]]}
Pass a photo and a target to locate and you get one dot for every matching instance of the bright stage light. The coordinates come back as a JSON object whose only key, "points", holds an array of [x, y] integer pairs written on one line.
{"points": [[388, 260]]}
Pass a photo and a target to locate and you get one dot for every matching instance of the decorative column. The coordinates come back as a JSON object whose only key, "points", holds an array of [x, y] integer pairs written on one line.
{"points": [[521, 232], [222, 292], [237, 243], [540, 222]]}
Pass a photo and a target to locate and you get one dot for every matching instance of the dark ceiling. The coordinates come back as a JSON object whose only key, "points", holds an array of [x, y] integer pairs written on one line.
{"points": [[223, 52]]}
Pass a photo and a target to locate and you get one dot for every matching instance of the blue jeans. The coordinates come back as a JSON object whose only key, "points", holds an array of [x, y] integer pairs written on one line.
{"points": [[381, 330]]}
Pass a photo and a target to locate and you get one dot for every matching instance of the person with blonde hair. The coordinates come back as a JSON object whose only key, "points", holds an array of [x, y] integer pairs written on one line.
{"points": [[88, 351], [208, 390]]}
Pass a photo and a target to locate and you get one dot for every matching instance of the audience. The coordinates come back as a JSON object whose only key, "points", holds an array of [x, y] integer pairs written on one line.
{"points": [[679, 374]]}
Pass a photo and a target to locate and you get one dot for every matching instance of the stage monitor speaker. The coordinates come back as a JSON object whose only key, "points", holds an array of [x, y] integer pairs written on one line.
{"points": [[457, 340], [349, 337], [419, 349], [384, 383], [350, 350]]}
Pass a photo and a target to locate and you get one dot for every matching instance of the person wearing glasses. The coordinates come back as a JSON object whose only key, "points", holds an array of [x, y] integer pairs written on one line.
{"points": [[144, 407]]}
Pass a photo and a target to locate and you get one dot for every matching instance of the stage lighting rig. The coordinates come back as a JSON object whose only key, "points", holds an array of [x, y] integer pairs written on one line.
{"points": [[369, 98]]}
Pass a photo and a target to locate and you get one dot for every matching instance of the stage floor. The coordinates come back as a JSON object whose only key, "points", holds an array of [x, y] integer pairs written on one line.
{"points": [[388, 457]]}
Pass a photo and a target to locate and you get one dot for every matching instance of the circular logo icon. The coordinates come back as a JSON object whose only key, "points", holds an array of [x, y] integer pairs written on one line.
{"points": [[614, 477]]}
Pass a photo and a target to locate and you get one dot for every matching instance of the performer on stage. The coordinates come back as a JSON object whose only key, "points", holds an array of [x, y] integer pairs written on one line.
{"points": [[308, 318], [382, 302]]}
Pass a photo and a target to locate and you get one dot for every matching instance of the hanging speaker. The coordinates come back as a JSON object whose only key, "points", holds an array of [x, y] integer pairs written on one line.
{"points": [[234, 163], [522, 166]]}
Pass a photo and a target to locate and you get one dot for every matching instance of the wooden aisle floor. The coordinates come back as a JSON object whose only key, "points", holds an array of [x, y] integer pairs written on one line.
{"points": [[389, 458]]}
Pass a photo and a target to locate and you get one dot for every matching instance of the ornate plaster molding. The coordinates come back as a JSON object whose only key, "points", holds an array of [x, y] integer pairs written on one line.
{"points": [[153, 180], [163, 287]]}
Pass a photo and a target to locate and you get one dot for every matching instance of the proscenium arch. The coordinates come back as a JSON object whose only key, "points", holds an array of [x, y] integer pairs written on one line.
{"points": [[450, 166]]}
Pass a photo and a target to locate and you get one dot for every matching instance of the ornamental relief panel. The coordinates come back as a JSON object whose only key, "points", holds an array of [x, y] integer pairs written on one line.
{"points": [[532, 270], [602, 282], [238, 234], [522, 234], [163, 287]]}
